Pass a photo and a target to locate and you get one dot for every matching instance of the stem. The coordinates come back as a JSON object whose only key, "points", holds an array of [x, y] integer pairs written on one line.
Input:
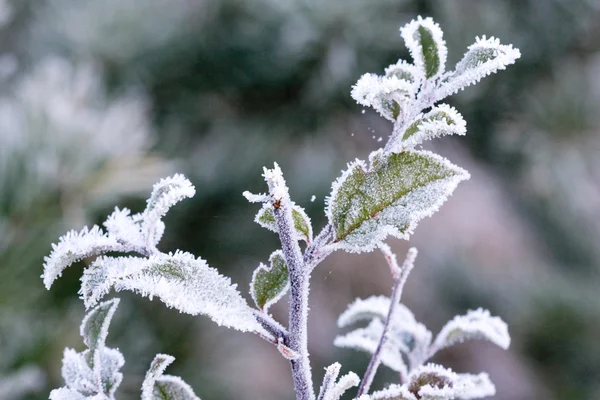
{"points": [[399, 274], [299, 288]]}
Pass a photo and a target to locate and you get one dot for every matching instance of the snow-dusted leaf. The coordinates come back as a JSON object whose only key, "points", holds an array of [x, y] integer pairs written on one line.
{"points": [[476, 324], [66, 394], [330, 390], [157, 386], [169, 387], [389, 197], [367, 339], [75, 246], [109, 363], [393, 392], [346, 382], [165, 194], [94, 327], [126, 228], [269, 284], [180, 280], [424, 39], [78, 374], [302, 224], [404, 70], [483, 58], [103, 379], [331, 374], [388, 95], [441, 120], [365, 309], [434, 382]]}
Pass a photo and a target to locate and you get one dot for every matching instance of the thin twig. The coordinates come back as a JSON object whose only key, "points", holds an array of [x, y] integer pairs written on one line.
{"points": [[299, 284], [399, 275]]}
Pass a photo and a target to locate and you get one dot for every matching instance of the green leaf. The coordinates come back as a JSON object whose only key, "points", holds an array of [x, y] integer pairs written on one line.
{"points": [[266, 219], [441, 120], [269, 284], [389, 197], [424, 40], [94, 327], [430, 52]]}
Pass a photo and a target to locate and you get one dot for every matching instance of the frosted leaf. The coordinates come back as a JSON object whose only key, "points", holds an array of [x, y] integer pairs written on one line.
{"points": [[388, 198], [110, 362], [302, 224], [393, 392], [476, 324], [330, 390], [165, 194], [66, 394], [77, 373], [125, 228], [269, 284], [94, 327], [361, 309], [346, 382], [424, 39], [434, 382], [75, 246], [157, 368], [180, 280], [367, 339], [387, 95], [169, 387], [331, 374], [483, 58], [157, 386], [256, 198], [441, 120], [405, 71]]}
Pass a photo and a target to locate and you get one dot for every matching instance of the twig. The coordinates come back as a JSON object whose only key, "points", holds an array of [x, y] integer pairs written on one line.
{"points": [[399, 275], [299, 284]]}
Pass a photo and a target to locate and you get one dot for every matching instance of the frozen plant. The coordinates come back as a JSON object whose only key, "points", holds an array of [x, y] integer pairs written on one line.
{"points": [[386, 196]]}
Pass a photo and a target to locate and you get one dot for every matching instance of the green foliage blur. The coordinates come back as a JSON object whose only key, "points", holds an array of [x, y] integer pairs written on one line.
{"points": [[218, 89]]}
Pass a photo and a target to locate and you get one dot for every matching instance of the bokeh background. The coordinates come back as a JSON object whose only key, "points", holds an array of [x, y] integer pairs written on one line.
{"points": [[101, 98]]}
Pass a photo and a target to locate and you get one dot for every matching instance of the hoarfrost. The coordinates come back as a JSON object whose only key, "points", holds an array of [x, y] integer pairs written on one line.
{"points": [[269, 284]]}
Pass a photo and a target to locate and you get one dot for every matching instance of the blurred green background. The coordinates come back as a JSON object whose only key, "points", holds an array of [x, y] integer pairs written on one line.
{"points": [[101, 98]]}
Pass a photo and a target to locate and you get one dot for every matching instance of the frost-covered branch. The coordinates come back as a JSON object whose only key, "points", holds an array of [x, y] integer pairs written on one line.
{"points": [[399, 274], [299, 283]]}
